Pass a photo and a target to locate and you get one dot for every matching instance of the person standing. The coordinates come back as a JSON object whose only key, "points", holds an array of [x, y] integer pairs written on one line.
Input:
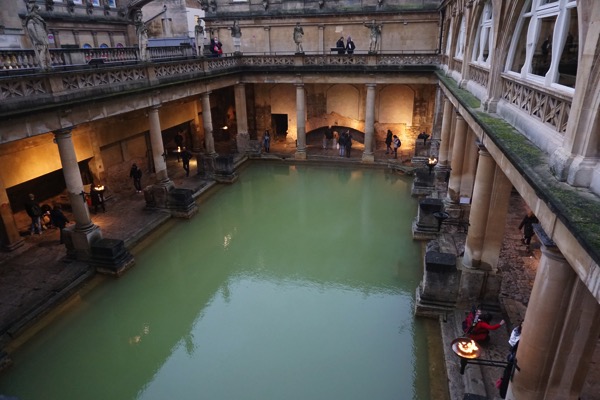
{"points": [[340, 45], [350, 46], [59, 220], [397, 144], [33, 209], [342, 142], [348, 143], [267, 141], [527, 226], [481, 331], [388, 142], [97, 194], [136, 174], [186, 156], [216, 47]]}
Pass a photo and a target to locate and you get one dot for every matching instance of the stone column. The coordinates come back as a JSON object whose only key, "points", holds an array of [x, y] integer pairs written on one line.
{"points": [[482, 192], [544, 321], [444, 163], [321, 39], [268, 39], [9, 234], [368, 155], [436, 131], [209, 141], [158, 150], [301, 122], [496, 221], [78, 238], [241, 114], [574, 352], [469, 165], [458, 154], [195, 127]]}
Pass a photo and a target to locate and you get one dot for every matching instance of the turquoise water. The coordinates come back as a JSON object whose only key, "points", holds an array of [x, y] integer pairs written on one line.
{"points": [[296, 282]]}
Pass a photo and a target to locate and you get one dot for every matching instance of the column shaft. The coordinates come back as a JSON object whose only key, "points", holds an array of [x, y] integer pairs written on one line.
{"points": [[469, 165], [209, 140], [578, 341], [73, 181], [458, 154], [546, 315], [241, 113], [445, 135], [158, 150], [369, 123], [482, 192], [300, 122]]}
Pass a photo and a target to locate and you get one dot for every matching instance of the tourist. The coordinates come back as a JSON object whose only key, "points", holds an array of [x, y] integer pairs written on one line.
{"points": [[388, 142], [397, 144], [136, 174], [515, 336], [59, 220], [340, 45], [342, 144], [350, 46], [216, 47], [480, 332], [186, 156], [348, 143], [527, 226], [423, 136], [33, 209], [97, 195], [267, 141]]}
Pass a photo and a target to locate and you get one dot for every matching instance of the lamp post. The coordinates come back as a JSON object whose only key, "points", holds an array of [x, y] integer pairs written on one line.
{"points": [[468, 351], [431, 163]]}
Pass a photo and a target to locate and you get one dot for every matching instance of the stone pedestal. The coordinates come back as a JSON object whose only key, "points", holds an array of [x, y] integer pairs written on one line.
{"points": [[79, 241], [109, 256], [179, 202], [425, 226], [479, 287], [242, 140], [423, 184], [9, 235], [439, 288], [224, 169]]}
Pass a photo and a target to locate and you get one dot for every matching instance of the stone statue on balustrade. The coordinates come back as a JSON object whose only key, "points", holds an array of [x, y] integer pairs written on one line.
{"points": [[142, 34], [375, 35], [236, 34], [298, 36], [38, 35], [199, 36]]}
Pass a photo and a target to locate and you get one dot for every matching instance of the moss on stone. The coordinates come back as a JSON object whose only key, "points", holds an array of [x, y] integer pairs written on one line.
{"points": [[466, 98]]}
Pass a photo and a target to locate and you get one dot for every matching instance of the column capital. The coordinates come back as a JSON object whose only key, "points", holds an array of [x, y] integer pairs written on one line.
{"points": [[155, 107], [64, 132], [483, 151], [370, 85], [459, 117]]}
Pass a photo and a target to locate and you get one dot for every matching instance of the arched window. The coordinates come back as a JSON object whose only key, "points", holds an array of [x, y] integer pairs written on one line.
{"points": [[483, 39], [449, 40], [460, 40], [544, 48]]}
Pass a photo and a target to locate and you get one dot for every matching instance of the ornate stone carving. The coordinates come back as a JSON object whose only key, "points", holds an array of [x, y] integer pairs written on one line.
{"points": [[89, 7], [49, 5], [70, 6]]}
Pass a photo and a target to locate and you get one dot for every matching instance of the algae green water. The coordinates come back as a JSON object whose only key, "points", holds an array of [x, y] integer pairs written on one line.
{"points": [[296, 282]]}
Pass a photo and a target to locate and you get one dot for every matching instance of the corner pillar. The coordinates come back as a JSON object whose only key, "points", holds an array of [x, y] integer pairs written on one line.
{"points": [[9, 234]]}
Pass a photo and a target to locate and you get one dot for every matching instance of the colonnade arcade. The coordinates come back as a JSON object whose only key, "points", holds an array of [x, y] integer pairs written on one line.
{"points": [[562, 322]]}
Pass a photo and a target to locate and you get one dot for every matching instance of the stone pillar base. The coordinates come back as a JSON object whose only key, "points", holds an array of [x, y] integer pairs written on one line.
{"points": [[79, 241], [13, 245], [368, 158], [479, 287], [439, 288], [300, 155], [109, 256], [426, 226], [224, 169], [423, 184], [179, 202]]}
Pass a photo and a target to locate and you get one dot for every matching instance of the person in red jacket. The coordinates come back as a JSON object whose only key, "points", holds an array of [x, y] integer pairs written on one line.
{"points": [[481, 331]]}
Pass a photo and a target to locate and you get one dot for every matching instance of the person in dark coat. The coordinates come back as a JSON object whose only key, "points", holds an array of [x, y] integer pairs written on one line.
{"points": [[350, 46], [216, 47], [33, 209], [59, 220], [97, 195], [342, 142], [186, 156], [348, 143], [527, 226], [340, 45], [388, 142], [136, 174]]}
